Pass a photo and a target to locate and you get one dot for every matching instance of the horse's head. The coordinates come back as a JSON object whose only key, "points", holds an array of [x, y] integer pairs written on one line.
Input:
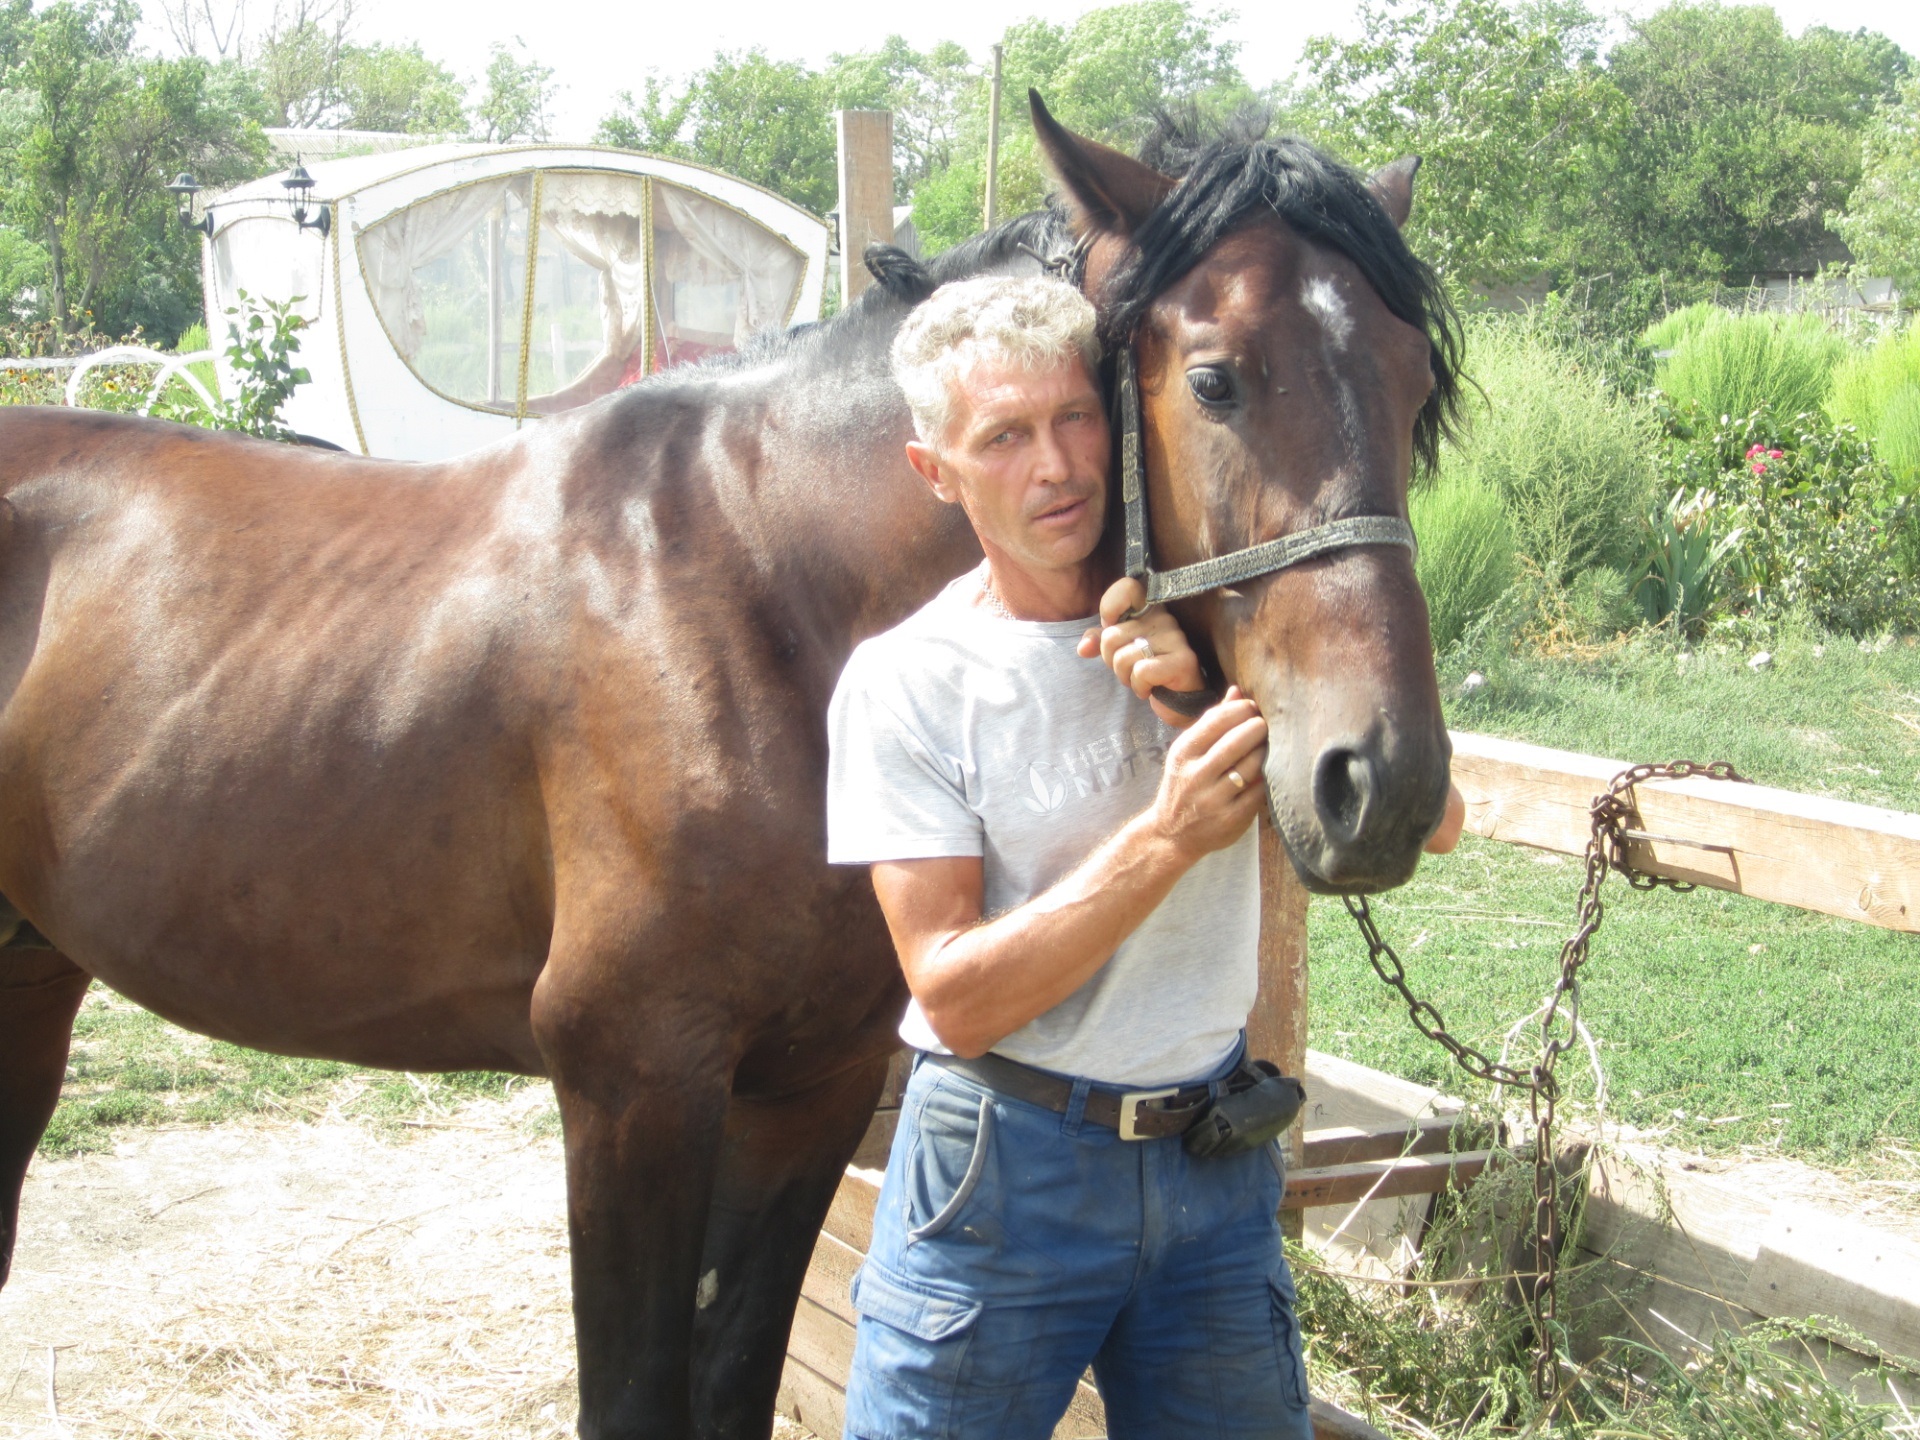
{"points": [[1295, 361]]}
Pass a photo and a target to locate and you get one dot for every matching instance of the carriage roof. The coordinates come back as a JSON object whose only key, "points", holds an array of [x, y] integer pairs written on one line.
{"points": [[464, 291]]}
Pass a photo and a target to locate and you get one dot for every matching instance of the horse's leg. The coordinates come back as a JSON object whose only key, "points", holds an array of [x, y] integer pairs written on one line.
{"points": [[40, 992], [643, 1100], [782, 1161]]}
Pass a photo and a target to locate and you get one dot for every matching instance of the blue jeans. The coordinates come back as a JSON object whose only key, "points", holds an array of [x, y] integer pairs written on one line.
{"points": [[1013, 1246]]}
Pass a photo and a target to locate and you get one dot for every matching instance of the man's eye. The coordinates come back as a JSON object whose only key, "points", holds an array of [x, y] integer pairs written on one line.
{"points": [[1211, 385]]}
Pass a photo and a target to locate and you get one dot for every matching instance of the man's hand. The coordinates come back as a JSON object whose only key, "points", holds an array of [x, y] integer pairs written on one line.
{"points": [[1451, 823], [1213, 784], [1144, 652]]}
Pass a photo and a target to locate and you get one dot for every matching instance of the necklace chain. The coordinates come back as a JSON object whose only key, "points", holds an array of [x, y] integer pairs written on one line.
{"points": [[994, 602]]}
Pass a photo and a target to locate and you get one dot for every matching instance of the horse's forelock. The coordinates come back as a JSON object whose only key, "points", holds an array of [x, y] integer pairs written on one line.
{"points": [[1225, 181]]}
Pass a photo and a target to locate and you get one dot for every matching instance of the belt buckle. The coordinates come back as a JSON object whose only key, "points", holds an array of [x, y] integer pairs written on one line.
{"points": [[1130, 1104]]}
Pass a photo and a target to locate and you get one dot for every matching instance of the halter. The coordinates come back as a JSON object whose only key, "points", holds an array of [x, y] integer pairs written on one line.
{"points": [[1239, 565]]}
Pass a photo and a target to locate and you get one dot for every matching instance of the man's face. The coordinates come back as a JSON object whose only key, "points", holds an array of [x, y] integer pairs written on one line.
{"points": [[1025, 455]]}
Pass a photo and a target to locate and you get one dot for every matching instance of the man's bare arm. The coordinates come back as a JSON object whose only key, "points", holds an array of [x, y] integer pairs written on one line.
{"points": [[979, 982]]}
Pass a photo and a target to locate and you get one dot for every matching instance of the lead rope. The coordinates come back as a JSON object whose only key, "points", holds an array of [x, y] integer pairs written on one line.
{"points": [[1612, 813]]}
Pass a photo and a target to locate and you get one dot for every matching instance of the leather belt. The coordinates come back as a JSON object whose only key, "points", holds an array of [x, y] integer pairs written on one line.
{"points": [[1136, 1114]]}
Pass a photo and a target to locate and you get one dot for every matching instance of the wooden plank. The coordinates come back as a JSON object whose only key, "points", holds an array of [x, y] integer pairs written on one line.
{"points": [[1277, 1026], [821, 1341], [877, 1143], [1382, 1179], [1826, 1268], [812, 1399], [1346, 1144], [850, 1217], [1855, 861], [829, 1279]]}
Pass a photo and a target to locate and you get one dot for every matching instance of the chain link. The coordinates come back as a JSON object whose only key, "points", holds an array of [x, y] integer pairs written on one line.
{"points": [[1612, 816]]}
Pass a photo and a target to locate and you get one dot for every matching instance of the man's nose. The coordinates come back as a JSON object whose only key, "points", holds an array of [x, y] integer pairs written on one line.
{"points": [[1051, 462]]}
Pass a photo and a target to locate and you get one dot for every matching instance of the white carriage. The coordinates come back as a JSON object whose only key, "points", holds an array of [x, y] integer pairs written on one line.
{"points": [[456, 293]]}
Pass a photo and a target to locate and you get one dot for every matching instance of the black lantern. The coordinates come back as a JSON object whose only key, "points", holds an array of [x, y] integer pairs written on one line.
{"points": [[299, 185], [186, 187]]}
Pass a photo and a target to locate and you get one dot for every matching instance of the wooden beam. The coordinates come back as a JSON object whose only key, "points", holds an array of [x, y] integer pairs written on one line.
{"points": [[1856, 861], [1347, 1144], [1382, 1179]]}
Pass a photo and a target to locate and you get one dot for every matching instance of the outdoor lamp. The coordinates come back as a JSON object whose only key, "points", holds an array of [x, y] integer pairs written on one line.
{"points": [[186, 187], [300, 188]]}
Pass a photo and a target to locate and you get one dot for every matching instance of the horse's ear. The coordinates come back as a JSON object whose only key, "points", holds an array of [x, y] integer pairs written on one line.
{"points": [[1392, 186], [1105, 190], [899, 274]]}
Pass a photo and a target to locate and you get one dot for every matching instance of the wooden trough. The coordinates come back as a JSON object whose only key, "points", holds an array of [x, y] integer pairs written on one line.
{"points": [[1372, 1151]]}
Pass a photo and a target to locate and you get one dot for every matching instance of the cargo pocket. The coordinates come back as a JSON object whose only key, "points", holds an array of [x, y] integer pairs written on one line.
{"points": [[1286, 1339], [906, 1372], [946, 1168], [920, 1310]]}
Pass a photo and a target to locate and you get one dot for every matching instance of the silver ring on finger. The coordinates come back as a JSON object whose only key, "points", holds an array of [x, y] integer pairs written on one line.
{"points": [[1144, 647], [1239, 780]]}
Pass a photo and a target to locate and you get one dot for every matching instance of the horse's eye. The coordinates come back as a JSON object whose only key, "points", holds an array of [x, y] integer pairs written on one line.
{"points": [[1211, 385]]}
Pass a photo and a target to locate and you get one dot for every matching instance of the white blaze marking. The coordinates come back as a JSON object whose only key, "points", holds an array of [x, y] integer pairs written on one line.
{"points": [[1323, 300], [709, 1290]]}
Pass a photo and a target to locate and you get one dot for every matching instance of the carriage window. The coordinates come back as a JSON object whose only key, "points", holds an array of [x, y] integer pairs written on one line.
{"points": [[718, 277], [449, 276], [271, 259]]}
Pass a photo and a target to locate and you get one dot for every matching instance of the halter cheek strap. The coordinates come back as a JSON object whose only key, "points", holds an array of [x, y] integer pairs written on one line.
{"points": [[1230, 569]]}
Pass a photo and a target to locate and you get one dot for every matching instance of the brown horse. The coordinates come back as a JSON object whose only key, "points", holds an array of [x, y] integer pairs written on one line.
{"points": [[517, 762]]}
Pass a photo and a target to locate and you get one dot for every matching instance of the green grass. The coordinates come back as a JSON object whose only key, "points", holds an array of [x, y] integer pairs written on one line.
{"points": [[1877, 388], [1705, 1004], [129, 1067]]}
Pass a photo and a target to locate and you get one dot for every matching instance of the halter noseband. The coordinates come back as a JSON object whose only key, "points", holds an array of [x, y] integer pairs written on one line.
{"points": [[1230, 569]]}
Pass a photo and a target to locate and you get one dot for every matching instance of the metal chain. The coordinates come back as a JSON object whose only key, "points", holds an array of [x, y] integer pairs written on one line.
{"points": [[1612, 815]]}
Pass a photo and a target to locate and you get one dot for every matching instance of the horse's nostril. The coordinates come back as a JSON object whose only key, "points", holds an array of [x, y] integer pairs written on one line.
{"points": [[1342, 789]]}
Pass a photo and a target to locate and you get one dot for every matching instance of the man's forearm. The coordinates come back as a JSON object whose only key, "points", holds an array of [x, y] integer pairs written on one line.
{"points": [[985, 982]]}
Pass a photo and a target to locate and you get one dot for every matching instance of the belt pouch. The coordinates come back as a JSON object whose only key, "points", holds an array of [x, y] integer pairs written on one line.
{"points": [[1256, 1105]]}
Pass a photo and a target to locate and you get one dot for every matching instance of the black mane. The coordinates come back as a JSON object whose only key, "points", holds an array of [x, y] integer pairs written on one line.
{"points": [[1225, 180]]}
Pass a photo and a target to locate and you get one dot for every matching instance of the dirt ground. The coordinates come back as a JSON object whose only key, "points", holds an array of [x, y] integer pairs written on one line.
{"points": [[282, 1281]]}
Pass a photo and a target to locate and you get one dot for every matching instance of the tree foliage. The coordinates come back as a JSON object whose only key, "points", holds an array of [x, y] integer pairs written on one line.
{"points": [[1708, 142], [1881, 222], [90, 133], [516, 99], [764, 120]]}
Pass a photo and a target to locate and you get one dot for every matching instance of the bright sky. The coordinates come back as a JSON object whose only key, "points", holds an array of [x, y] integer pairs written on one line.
{"points": [[597, 50]]}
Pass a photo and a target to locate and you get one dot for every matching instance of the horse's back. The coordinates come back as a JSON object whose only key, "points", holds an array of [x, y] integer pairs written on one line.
{"points": [[255, 706]]}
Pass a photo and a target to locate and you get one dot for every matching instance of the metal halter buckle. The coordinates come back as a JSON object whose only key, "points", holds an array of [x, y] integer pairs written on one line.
{"points": [[1130, 1104]]}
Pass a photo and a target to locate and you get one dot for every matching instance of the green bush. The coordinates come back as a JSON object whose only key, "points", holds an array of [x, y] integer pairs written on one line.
{"points": [[1733, 364], [1679, 325], [1824, 527], [1466, 552], [1571, 458], [1877, 389]]}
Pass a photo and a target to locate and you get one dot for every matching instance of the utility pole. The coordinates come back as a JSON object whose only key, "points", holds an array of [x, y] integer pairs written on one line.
{"points": [[993, 144]]}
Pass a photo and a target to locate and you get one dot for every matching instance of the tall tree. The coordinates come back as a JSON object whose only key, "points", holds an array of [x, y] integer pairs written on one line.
{"points": [[1881, 223], [397, 88], [98, 132], [1508, 107], [515, 98], [1742, 137], [764, 120], [1107, 74]]}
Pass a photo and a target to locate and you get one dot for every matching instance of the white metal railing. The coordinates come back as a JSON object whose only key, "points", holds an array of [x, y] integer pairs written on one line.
{"points": [[172, 367]]}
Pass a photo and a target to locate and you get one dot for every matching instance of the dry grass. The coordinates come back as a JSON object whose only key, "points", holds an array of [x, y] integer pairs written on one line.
{"points": [[287, 1281]]}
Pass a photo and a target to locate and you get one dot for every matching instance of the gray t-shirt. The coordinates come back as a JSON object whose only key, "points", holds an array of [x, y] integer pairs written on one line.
{"points": [[963, 733]]}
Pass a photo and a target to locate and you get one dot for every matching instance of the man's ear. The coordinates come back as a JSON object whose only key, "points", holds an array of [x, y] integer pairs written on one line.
{"points": [[1392, 186], [926, 460], [1105, 191]]}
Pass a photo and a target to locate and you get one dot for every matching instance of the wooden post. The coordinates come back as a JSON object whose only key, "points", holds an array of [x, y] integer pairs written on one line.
{"points": [[866, 193], [993, 144], [1277, 1028]]}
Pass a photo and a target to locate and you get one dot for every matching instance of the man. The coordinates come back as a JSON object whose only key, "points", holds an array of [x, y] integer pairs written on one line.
{"points": [[1073, 891]]}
